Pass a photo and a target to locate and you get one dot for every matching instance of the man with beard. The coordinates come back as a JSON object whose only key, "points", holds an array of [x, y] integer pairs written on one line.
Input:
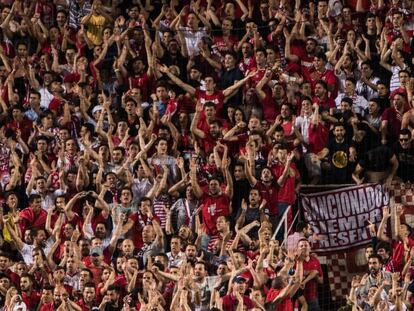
{"points": [[342, 156], [136, 222], [303, 230], [203, 284], [375, 273], [118, 157], [111, 300], [267, 187], [404, 151], [183, 210], [88, 300], [153, 239], [253, 211], [59, 295], [297, 54], [213, 204], [191, 253], [205, 126], [232, 300], [399, 243], [33, 217], [271, 103], [39, 240], [46, 301], [319, 72], [322, 98], [312, 275], [5, 283], [29, 296], [59, 279], [5, 264], [392, 119], [211, 94]]}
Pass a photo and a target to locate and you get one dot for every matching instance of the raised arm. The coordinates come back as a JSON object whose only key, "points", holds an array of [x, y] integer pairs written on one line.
{"points": [[193, 127], [198, 192], [381, 229], [227, 92], [259, 87], [186, 87], [15, 237]]}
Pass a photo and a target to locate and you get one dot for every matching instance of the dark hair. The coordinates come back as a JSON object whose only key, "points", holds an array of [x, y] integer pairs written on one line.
{"points": [[89, 271], [33, 197], [90, 128], [301, 225], [143, 199], [338, 124], [350, 79], [209, 104], [89, 284], [385, 246], [323, 83], [405, 132], [122, 149], [404, 71], [115, 287], [261, 50], [321, 55], [48, 287], [375, 255], [347, 100]]}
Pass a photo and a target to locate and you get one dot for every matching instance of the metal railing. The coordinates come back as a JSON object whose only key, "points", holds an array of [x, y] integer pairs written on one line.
{"points": [[284, 222]]}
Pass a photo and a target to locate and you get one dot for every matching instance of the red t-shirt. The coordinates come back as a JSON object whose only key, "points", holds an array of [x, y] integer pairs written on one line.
{"points": [[326, 102], [217, 97], [230, 302], [31, 300], [48, 307], [270, 108], [313, 76], [247, 64], [310, 291], [297, 48], [397, 257], [284, 305], [212, 208], [318, 137], [136, 232], [287, 191], [143, 82], [394, 122], [224, 45]]}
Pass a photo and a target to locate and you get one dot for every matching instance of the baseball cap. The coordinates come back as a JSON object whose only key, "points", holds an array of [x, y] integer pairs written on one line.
{"points": [[96, 251], [97, 108], [239, 279]]}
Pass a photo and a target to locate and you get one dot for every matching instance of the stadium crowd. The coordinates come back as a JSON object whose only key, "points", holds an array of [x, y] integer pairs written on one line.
{"points": [[150, 148]]}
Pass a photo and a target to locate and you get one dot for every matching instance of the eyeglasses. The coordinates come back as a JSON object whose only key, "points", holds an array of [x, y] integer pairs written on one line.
{"points": [[404, 139]]}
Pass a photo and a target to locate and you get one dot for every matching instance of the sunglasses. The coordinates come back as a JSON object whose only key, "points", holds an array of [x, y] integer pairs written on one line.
{"points": [[404, 139]]}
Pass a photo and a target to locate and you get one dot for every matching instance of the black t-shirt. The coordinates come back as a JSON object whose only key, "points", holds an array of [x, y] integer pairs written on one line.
{"points": [[341, 169], [377, 159], [405, 162]]}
